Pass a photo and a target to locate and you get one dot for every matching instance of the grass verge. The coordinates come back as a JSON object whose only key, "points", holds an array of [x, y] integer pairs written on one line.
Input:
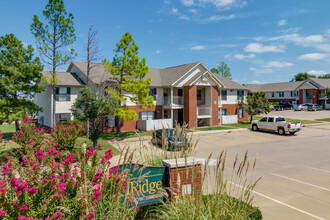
{"points": [[124, 135], [323, 119]]}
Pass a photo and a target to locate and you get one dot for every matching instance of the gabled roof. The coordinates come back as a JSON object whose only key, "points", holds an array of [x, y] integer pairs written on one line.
{"points": [[229, 84], [320, 83], [274, 87], [64, 78]]}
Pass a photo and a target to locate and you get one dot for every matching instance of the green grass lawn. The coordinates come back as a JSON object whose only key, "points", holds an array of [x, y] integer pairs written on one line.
{"points": [[323, 119], [305, 122], [125, 134], [213, 128]]}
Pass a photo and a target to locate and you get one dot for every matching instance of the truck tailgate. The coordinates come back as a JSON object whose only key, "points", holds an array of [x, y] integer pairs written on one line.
{"points": [[295, 124]]}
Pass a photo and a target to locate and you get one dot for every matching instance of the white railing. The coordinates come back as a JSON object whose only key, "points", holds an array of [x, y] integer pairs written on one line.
{"points": [[201, 102], [177, 100], [308, 100], [321, 96], [149, 125], [229, 119], [203, 111]]}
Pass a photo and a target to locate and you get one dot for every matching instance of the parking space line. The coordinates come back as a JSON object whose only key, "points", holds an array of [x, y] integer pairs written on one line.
{"points": [[298, 181], [327, 171], [282, 203]]}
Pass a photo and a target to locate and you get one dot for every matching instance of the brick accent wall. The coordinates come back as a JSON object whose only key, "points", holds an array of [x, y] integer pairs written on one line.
{"points": [[131, 125], [301, 96], [315, 96], [178, 177], [190, 106], [232, 109], [214, 104]]}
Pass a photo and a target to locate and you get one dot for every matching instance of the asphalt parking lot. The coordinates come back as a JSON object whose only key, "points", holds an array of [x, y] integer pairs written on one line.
{"points": [[295, 170], [305, 115]]}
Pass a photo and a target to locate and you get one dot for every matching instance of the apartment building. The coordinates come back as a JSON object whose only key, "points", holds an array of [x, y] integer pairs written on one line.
{"points": [[302, 92], [188, 93]]}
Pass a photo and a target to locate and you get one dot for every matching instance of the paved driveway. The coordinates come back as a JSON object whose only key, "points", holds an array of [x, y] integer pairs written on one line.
{"points": [[305, 115], [295, 170]]}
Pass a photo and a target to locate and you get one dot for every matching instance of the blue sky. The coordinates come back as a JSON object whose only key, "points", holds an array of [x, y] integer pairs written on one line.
{"points": [[262, 41]]}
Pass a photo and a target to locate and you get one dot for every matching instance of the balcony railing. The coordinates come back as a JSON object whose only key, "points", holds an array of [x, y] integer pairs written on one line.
{"points": [[321, 96], [63, 97], [203, 111], [201, 102], [177, 100]]}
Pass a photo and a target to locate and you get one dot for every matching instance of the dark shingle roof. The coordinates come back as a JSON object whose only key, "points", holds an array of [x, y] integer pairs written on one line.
{"points": [[64, 78], [274, 87]]}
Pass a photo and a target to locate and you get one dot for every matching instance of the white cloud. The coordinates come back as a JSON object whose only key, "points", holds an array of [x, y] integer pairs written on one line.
{"points": [[318, 72], [255, 82], [220, 18], [260, 48], [220, 4], [174, 11], [199, 47], [187, 2], [257, 70], [157, 51], [25, 45], [242, 56], [194, 11], [184, 17], [281, 22], [313, 56], [277, 64]]}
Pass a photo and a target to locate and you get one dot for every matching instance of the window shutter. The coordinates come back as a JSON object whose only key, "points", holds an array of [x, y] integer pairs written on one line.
{"points": [[57, 118], [68, 90], [106, 122], [69, 116], [57, 91], [68, 96], [155, 91], [140, 115], [155, 115]]}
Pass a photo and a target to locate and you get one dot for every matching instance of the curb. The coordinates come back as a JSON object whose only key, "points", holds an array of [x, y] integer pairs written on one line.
{"points": [[317, 124], [220, 131]]}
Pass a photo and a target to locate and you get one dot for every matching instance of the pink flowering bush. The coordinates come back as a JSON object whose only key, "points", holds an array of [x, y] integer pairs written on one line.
{"points": [[49, 185], [28, 134], [65, 136]]}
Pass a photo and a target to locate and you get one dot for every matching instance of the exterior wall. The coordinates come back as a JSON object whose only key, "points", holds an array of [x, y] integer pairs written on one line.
{"points": [[214, 104], [232, 97], [315, 96], [64, 106], [44, 100], [287, 96], [132, 125], [159, 98], [232, 109], [301, 96], [190, 106]]}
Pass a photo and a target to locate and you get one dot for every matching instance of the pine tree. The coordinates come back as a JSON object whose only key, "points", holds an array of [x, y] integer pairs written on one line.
{"points": [[52, 38], [127, 72], [19, 79]]}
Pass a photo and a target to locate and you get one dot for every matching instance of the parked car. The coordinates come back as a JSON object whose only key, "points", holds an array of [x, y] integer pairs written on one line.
{"points": [[172, 138], [314, 107], [283, 106], [300, 107], [276, 124]]}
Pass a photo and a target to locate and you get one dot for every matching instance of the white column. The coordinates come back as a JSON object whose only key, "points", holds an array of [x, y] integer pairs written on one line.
{"points": [[171, 105]]}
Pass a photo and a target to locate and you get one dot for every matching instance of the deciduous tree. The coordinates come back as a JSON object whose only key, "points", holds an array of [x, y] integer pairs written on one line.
{"points": [[325, 76], [93, 107], [302, 77], [52, 39], [222, 70], [19, 79], [255, 104], [127, 72]]}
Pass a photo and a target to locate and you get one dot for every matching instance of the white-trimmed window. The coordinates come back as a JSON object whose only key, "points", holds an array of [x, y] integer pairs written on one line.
{"points": [[224, 111], [63, 94], [110, 121], [281, 94], [240, 113]]}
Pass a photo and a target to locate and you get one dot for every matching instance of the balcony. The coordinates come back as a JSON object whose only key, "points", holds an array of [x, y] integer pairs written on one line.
{"points": [[178, 101], [321, 96], [63, 97], [203, 112], [201, 102]]}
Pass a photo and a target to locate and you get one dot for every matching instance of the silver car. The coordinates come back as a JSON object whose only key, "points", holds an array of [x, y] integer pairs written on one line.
{"points": [[300, 107], [314, 107]]}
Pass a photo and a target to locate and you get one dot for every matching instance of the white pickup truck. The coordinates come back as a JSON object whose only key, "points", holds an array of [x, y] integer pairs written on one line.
{"points": [[276, 124]]}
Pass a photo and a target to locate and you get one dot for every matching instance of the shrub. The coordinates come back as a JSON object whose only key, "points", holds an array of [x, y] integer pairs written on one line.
{"points": [[65, 136], [50, 185], [75, 122], [28, 135]]}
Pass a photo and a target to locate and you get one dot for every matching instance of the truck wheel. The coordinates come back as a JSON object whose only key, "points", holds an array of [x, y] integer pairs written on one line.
{"points": [[254, 128], [281, 131]]}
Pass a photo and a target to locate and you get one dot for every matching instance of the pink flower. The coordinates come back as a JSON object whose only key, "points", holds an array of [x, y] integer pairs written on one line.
{"points": [[33, 190], [69, 159], [44, 181], [3, 191], [2, 212], [21, 186], [36, 166], [24, 207], [25, 161], [2, 183], [90, 152], [117, 180], [14, 182], [23, 218], [90, 215], [58, 214]]}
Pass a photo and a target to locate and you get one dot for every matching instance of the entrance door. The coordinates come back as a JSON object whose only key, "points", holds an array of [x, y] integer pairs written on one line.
{"points": [[180, 116]]}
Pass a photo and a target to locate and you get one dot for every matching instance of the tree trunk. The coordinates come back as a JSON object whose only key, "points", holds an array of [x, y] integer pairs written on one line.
{"points": [[94, 144], [87, 128], [251, 118], [54, 106], [118, 124], [17, 125]]}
